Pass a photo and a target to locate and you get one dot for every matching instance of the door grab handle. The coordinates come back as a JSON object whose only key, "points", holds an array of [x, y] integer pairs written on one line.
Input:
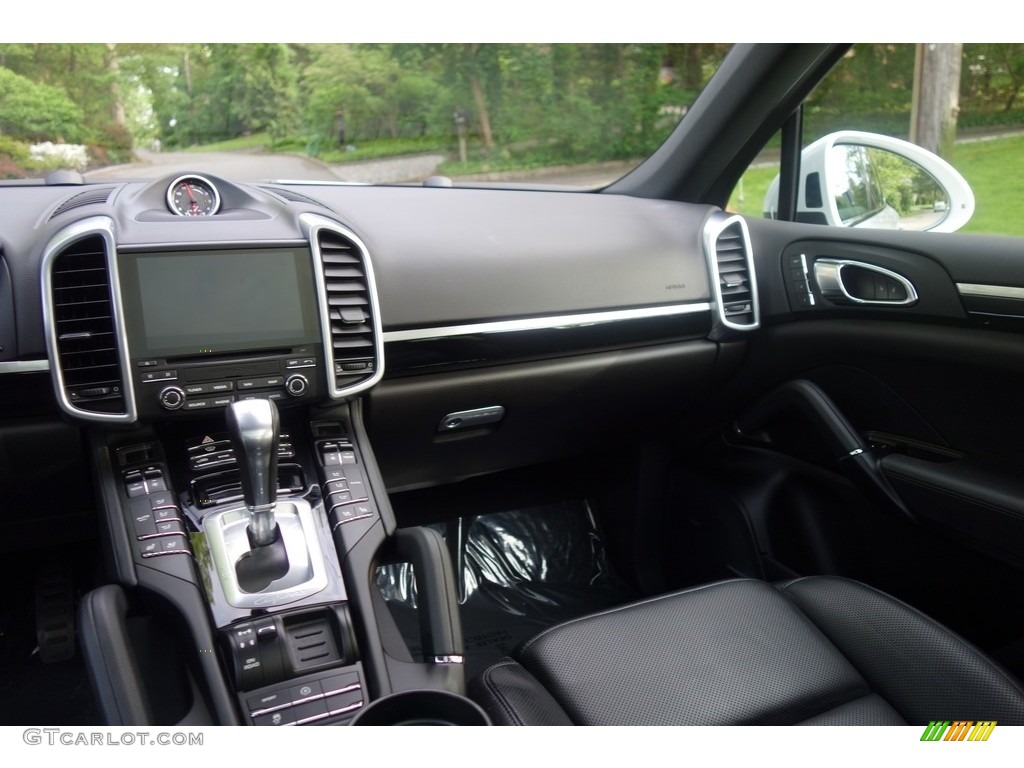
{"points": [[854, 455], [843, 281]]}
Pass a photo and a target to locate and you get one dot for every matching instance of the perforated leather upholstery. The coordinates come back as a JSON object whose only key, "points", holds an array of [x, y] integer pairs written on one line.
{"points": [[815, 651]]}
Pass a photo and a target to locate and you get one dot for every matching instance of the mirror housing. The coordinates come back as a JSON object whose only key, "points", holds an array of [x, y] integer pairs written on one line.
{"points": [[842, 184]]}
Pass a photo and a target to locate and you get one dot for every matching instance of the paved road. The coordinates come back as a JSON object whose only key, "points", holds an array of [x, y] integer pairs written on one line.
{"points": [[237, 166], [247, 166], [391, 170]]}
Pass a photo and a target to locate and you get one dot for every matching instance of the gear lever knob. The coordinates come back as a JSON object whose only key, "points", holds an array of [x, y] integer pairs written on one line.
{"points": [[253, 429]]}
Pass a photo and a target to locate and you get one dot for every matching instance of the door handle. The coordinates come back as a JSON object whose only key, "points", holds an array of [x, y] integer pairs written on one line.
{"points": [[842, 281]]}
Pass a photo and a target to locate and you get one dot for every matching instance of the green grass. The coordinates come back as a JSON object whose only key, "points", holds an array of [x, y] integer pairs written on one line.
{"points": [[748, 197], [993, 169], [250, 142], [368, 150]]}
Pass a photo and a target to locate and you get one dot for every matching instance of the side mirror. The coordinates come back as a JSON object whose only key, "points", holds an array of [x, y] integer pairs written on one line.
{"points": [[858, 179]]}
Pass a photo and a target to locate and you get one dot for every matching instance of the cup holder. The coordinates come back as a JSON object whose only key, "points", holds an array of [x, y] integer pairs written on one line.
{"points": [[422, 708]]}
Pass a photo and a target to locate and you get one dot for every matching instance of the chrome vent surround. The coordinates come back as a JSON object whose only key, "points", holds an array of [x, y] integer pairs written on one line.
{"points": [[89, 197], [349, 313], [734, 283], [84, 335]]}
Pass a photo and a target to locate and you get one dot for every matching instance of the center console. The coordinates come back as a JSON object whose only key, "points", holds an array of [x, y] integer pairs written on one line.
{"points": [[243, 510], [257, 518]]}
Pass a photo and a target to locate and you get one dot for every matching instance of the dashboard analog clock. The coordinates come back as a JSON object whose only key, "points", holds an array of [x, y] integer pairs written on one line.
{"points": [[193, 196]]}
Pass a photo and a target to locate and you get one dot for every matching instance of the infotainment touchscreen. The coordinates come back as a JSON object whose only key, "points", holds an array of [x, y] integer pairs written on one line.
{"points": [[201, 303]]}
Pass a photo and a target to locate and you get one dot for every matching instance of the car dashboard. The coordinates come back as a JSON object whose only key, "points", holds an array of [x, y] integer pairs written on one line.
{"points": [[408, 337], [286, 453]]}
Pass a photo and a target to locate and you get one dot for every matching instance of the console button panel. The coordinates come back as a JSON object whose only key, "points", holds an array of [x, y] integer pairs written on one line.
{"points": [[158, 532], [171, 387], [346, 495], [338, 695], [213, 451], [213, 475]]}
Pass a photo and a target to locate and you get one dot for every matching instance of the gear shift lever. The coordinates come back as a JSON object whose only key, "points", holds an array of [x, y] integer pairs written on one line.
{"points": [[253, 428]]}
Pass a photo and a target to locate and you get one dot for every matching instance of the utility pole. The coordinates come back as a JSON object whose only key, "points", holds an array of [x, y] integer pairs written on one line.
{"points": [[936, 96]]}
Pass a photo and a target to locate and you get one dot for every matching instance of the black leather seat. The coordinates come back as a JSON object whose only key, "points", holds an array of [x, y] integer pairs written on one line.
{"points": [[813, 651]]}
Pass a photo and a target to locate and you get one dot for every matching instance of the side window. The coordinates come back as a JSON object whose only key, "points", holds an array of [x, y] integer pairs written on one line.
{"points": [[905, 136]]}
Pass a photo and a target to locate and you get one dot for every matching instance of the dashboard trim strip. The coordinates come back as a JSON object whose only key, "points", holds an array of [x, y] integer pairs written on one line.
{"points": [[25, 366], [546, 323], [990, 291], [155, 246]]}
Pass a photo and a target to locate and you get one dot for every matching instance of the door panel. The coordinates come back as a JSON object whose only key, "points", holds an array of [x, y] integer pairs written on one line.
{"points": [[981, 504], [933, 388]]}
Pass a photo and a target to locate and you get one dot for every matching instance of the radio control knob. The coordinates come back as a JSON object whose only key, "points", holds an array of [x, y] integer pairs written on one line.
{"points": [[172, 398], [297, 384]]}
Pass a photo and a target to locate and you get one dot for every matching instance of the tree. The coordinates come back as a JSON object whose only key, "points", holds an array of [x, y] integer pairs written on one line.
{"points": [[267, 92], [90, 76], [117, 113], [869, 89], [993, 76], [473, 62], [354, 80], [936, 101]]}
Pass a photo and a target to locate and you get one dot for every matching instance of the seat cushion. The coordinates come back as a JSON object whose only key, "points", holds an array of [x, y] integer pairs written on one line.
{"points": [[924, 670], [819, 650]]}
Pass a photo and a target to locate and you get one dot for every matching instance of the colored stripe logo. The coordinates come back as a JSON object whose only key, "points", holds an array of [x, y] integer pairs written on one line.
{"points": [[958, 730]]}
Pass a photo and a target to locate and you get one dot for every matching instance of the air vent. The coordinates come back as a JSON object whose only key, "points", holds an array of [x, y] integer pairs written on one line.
{"points": [[351, 326], [730, 257], [82, 332], [82, 199]]}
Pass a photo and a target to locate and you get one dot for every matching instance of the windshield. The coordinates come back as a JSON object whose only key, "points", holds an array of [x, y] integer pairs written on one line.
{"points": [[569, 114]]}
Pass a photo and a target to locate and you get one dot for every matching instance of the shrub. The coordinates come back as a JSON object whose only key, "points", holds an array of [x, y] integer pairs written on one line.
{"points": [[16, 150], [49, 156], [33, 111]]}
